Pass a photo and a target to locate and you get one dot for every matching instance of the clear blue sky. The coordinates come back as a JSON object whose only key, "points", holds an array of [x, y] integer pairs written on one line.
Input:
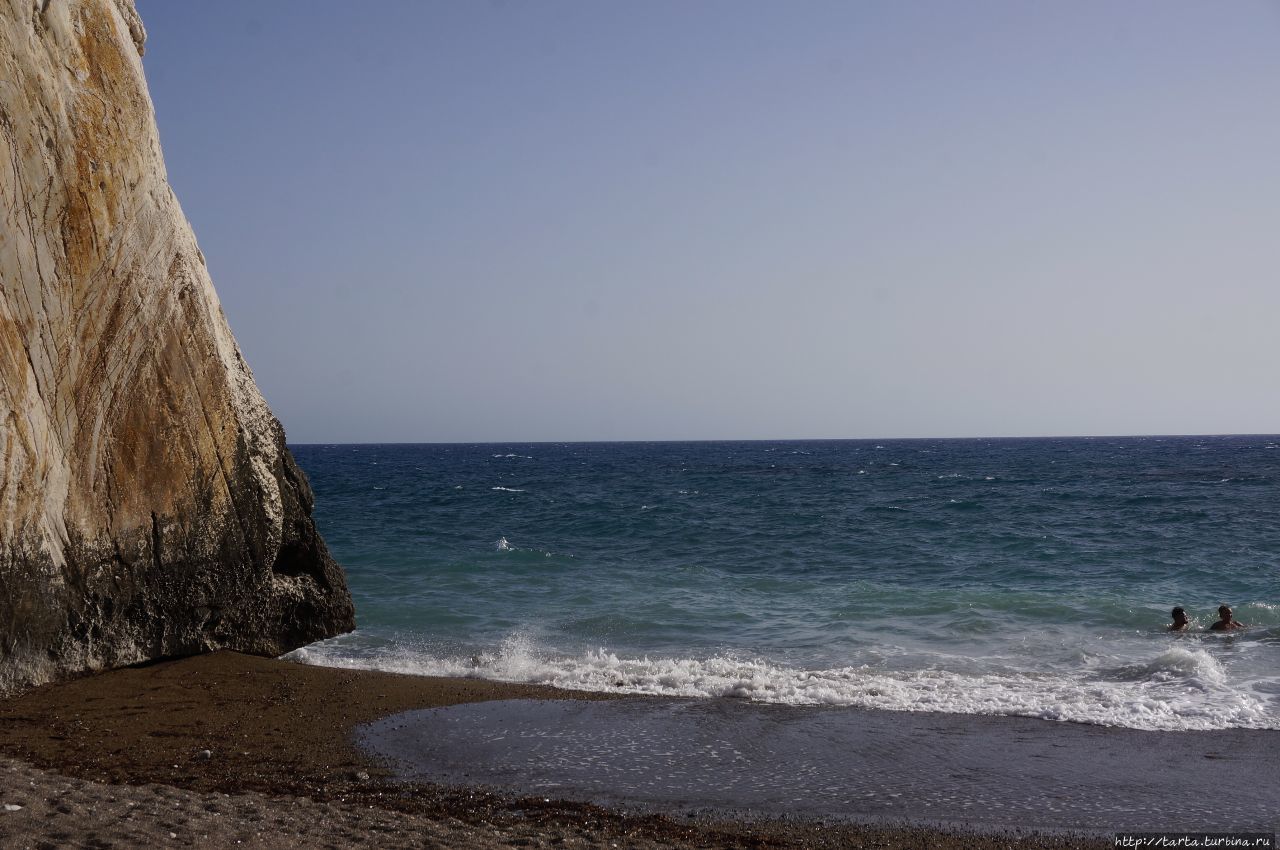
{"points": [[465, 221]]}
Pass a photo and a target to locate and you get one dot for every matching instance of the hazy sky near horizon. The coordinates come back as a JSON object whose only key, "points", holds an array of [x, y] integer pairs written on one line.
{"points": [[523, 221]]}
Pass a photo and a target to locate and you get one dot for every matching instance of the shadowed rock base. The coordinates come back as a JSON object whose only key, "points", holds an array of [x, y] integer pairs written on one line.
{"points": [[103, 609]]}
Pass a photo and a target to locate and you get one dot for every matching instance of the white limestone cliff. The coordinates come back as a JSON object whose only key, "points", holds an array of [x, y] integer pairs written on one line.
{"points": [[148, 505]]}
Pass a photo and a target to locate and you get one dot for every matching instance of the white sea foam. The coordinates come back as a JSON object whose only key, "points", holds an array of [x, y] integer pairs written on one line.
{"points": [[507, 489], [1178, 662], [504, 545], [1177, 690]]}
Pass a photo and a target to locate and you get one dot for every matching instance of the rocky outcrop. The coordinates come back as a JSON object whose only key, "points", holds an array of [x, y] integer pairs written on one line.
{"points": [[148, 505]]}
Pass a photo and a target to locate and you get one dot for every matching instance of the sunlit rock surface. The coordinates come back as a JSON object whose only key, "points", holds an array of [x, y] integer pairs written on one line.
{"points": [[148, 505]]}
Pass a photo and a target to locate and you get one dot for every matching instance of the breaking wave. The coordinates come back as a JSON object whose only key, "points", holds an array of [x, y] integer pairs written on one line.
{"points": [[1177, 690]]}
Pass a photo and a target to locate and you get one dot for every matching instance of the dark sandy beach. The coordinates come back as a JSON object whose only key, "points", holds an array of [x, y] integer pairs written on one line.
{"points": [[224, 749]]}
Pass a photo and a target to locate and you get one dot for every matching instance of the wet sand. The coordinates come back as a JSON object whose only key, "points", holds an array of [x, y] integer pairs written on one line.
{"points": [[738, 758], [226, 749]]}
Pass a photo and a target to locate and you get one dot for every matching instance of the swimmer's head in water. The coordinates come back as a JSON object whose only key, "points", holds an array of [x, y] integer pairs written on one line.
{"points": [[1224, 611], [1179, 615]]}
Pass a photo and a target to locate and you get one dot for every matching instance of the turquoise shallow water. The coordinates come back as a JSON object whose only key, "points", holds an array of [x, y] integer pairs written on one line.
{"points": [[1025, 577]]}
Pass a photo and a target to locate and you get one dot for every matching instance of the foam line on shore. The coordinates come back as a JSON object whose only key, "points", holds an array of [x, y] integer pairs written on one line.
{"points": [[1177, 690]]}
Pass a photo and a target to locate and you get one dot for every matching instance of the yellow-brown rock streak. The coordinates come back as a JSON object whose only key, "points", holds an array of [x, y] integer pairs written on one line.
{"points": [[148, 505]]}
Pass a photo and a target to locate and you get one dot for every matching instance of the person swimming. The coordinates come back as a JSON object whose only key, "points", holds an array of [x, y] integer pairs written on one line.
{"points": [[1226, 621], [1180, 621]]}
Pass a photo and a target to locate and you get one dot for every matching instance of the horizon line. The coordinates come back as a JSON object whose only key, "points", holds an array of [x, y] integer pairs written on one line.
{"points": [[777, 439]]}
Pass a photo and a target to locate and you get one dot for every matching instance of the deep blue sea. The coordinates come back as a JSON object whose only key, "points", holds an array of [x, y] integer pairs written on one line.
{"points": [[1008, 576]]}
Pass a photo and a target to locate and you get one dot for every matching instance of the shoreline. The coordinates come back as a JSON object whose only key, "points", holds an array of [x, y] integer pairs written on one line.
{"points": [[278, 737]]}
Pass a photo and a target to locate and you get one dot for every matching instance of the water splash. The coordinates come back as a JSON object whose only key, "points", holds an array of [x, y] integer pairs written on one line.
{"points": [[1177, 690]]}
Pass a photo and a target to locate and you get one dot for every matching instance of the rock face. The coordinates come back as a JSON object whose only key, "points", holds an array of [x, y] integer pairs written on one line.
{"points": [[148, 505]]}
